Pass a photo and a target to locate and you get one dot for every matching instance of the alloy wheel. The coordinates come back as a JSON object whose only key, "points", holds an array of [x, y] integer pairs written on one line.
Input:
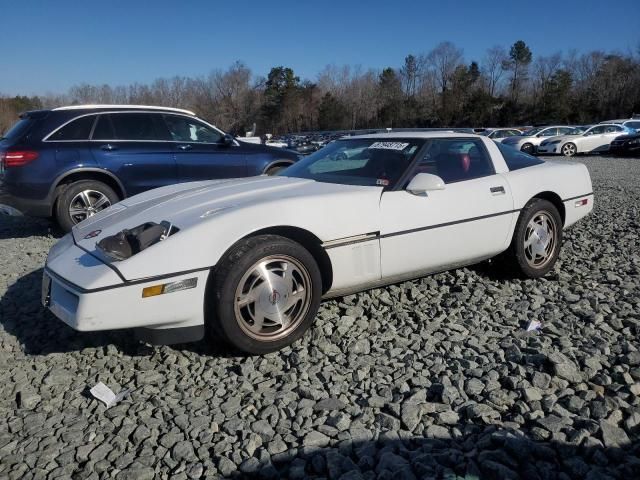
{"points": [[273, 297], [540, 240], [86, 204]]}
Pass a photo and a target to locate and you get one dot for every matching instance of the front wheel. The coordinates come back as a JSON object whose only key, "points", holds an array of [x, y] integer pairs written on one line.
{"points": [[537, 239], [81, 200], [265, 294], [569, 149]]}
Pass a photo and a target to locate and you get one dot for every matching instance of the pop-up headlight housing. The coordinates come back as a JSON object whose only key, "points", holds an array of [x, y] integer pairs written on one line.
{"points": [[129, 242]]}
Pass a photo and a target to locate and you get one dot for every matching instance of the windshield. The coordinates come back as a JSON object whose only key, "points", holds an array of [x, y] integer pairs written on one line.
{"points": [[532, 132], [18, 129], [367, 161]]}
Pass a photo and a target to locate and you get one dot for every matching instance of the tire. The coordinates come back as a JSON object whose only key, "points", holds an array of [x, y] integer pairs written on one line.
{"points": [[245, 311], [527, 148], [76, 196], [569, 149], [275, 169], [538, 258]]}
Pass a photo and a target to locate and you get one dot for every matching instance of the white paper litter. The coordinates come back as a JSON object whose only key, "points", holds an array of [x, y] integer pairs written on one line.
{"points": [[534, 326], [106, 395]]}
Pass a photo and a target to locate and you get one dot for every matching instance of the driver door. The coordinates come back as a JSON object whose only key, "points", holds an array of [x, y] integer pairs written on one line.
{"points": [[469, 220], [200, 153]]}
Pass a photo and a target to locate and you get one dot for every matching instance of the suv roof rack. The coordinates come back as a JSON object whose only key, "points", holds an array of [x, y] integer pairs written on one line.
{"points": [[142, 107]]}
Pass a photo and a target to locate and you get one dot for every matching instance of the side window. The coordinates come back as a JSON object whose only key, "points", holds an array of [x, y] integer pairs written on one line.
{"points": [[596, 130], [634, 125], [137, 126], [184, 129], [78, 129], [549, 132], [456, 160], [565, 130], [104, 129]]}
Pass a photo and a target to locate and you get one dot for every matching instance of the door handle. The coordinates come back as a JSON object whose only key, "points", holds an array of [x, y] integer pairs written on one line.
{"points": [[184, 147], [108, 147], [497, 190]]}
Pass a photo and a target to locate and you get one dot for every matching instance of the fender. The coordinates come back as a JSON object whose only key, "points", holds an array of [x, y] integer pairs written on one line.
{"points": [[56, 183]]}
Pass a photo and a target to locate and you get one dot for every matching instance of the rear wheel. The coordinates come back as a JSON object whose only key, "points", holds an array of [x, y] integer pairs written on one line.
{"points": [[275, 169], [537, 239], [569, 149], [265, 294], [81, 200], [527, 148]]}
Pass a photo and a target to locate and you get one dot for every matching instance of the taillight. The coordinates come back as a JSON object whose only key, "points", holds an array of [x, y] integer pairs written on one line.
{"points": [[18, 158]]}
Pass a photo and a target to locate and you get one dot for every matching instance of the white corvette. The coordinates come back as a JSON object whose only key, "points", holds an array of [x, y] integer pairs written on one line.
{"points": [[249, 259]]}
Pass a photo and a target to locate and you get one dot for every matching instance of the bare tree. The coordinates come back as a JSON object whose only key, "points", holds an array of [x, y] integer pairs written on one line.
{"points": [[493, 68]]}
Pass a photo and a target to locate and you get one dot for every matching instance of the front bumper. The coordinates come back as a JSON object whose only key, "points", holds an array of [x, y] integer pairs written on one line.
{"points": [[88, 295]]}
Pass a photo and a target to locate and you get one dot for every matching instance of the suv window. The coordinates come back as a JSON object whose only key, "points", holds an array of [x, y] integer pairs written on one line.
{"points": [[134, 126], [103, 129], [184, 129], [455, 160], [78, 129], [515, 159]]}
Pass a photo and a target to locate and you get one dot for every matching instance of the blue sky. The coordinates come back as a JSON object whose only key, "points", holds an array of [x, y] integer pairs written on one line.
{"points": [[52, 45]]}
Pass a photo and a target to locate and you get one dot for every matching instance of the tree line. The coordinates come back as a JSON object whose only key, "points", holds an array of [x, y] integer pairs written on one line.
{"points": [[507, 87]]}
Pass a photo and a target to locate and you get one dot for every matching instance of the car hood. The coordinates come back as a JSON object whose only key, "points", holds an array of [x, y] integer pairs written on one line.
{"points": [[188, 204]]}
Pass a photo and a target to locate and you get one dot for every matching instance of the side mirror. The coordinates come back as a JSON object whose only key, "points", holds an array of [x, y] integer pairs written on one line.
{"points": [[227, 140], [423, 183]]}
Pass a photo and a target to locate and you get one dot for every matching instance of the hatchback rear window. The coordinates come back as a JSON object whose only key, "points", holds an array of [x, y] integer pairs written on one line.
{"points": [[515, 159], [78, 129], [19, 128]]}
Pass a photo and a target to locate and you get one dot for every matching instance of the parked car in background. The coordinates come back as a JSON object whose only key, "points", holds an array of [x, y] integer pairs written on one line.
{"points": [[529, 140], [595, 139], [499, 134], [631, 123], [72, 162], [254, 271], [628, 144]]}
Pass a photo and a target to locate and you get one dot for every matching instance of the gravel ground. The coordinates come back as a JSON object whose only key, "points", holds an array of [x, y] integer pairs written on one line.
{"points": [[431, 378]]}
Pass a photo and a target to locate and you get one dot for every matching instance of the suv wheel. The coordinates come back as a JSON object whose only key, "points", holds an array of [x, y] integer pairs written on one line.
{"points": [[81, 200]]}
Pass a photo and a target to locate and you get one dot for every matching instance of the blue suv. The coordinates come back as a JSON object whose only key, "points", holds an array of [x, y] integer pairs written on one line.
{"points": [[71, 162]]}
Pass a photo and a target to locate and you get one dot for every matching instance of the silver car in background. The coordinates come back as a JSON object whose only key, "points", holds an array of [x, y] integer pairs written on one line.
{"points": [[499, 134], [529, 140]]}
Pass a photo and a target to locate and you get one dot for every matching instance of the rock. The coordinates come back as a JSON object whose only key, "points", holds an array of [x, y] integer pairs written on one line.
{"points": [[183, 451], [329, 404], [28, 399], [474, 386], [613, 436], [532, 394], [315, 439]]}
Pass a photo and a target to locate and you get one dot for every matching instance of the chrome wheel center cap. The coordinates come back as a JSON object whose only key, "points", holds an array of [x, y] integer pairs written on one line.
{"points": [[541, 241], [273, 298]]}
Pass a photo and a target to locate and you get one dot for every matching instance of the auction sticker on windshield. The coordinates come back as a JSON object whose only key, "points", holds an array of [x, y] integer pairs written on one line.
{"points": [[389, 145]]}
